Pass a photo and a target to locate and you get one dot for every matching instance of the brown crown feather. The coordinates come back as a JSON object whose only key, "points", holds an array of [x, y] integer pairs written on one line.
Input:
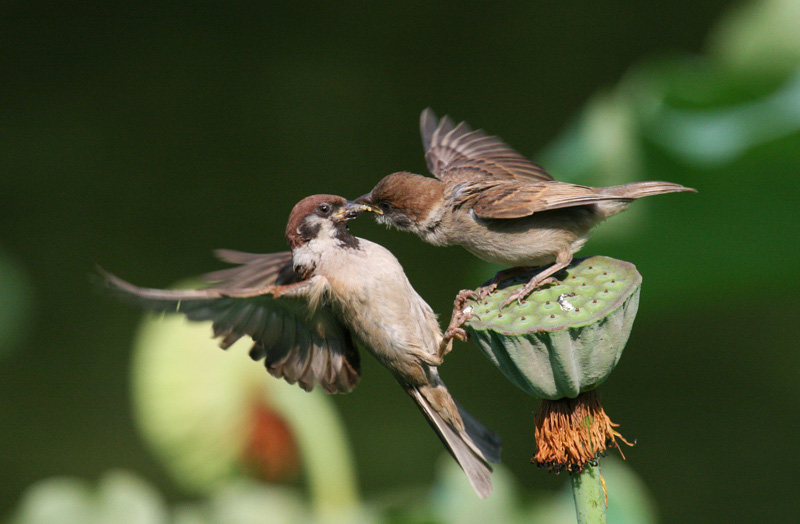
{"points": [[415, 195], [301, 210]]}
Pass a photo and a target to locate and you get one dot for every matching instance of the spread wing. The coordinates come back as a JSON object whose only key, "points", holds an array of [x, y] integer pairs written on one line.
{"points": [[455, 152], [254, 270], [299, 342], [516, 199]]}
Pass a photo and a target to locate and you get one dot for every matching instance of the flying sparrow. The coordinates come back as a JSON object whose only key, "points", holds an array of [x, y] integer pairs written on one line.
{"points": [[307, 309], [497, 204]]}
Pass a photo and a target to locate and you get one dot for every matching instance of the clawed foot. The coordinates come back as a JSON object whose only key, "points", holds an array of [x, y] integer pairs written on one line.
{"points": [[454, 330], [461, 313], [506, 274], [540, 279], [484, 291], [520, 294]]}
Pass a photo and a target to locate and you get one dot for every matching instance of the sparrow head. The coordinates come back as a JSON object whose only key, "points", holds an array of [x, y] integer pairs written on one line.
{"points": [[322, 216], [406, 201]]}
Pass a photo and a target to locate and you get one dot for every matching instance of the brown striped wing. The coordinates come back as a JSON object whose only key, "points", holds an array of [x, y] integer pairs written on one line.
{"points": [[515, 199], [306, 347], [453, 151]]}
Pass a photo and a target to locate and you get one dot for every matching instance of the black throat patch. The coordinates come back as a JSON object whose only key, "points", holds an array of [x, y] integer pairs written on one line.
{"points": [[308, 231], [346, 240]]}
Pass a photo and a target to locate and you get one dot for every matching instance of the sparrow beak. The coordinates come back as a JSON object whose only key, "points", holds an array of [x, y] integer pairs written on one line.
{"points": [[366, 200], [352, 209]]}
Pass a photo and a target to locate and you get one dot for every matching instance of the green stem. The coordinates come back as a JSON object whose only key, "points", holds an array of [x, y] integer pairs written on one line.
{"points": [[589, 495]]}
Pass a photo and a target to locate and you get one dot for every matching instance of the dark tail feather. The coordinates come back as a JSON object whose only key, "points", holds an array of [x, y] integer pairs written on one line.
{"points": [[484, 438], [642, 189], [473, 449]]}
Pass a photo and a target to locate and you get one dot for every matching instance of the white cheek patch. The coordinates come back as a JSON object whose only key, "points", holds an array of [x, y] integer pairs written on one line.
{"points": [[303, 257]]}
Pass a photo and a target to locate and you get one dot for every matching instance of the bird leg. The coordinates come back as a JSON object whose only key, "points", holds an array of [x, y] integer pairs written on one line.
{"points": [[459, 316], [454, 329], [541, 278], [505, 274]]}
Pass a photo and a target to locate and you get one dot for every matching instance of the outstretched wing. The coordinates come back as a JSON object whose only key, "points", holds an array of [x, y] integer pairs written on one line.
{"points": [[300, 343], [455, 152], [253, 269]]}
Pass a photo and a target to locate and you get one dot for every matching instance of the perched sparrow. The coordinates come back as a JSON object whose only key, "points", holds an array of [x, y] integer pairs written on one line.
{"points": [[497, 204], [306, 310]]}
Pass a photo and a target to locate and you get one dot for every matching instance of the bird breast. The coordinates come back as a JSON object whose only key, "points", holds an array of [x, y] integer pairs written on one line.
{"points": [[374, 297], [529, 241]]}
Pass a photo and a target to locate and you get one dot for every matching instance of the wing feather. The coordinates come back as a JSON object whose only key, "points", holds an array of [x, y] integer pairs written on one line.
{"points": [[493, 199], [253, 269], [452, 149], [301, 344]]}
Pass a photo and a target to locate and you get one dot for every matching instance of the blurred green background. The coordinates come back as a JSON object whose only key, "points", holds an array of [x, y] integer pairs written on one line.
{"points": [[141, 136]]}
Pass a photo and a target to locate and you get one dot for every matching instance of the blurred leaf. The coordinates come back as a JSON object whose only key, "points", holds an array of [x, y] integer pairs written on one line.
{"points": [[192, 400], [249, 503], [120, 498], [55, 501], [629, 500], [709, 136], [714, 123], [190, 514], [125, 498], [558, 508], [200, 408], [760, 37], [453, 500]]}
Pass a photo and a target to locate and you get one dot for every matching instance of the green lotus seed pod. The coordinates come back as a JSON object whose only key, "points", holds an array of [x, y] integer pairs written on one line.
{"points": [[564, 338]]}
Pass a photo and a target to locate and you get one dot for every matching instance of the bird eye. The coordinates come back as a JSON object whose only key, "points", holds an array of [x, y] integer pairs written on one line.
{"points": [[324, 208], [385, 206]]}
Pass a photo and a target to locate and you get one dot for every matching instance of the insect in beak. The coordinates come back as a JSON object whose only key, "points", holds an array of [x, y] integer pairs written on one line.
{"points": [[364, 200]]}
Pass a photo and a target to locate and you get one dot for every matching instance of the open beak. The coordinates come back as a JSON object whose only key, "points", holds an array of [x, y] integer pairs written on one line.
{"points": [[366, 201], [352, 209]]}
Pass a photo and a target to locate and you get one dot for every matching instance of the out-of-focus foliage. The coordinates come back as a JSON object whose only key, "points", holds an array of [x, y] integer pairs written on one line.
{"points": [[759, 38], [727, 122], [245, 502], [194, 403], [214, 416], [123, 498], [119, 497]]}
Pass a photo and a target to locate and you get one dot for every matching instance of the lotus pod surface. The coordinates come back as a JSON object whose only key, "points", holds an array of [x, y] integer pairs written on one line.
{"points": [[564, 338]]}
